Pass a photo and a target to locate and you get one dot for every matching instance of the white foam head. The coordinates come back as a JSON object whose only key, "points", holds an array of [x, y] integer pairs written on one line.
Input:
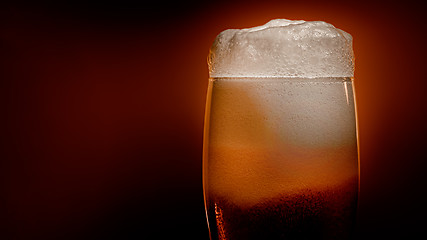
{"points": [[283, 48]]}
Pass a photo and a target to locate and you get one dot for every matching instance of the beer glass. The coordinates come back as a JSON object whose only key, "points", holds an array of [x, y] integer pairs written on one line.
{"points": [[280, 154]]}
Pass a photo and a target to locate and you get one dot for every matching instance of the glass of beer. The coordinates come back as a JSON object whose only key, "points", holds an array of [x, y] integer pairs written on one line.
{"points": [[280, 153]]}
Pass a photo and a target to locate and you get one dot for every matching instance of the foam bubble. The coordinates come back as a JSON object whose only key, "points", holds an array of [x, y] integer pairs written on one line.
{"points": [[283, 48]]}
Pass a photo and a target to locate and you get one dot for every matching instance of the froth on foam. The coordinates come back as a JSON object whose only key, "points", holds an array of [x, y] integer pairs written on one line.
{"points": [[283, 48]]}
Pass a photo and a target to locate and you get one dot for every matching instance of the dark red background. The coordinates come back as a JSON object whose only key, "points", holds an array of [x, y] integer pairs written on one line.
{"points": [[102, 110]]}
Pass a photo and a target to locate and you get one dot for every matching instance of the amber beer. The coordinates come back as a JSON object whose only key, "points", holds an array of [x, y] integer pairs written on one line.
{"points": [[280, 151]]}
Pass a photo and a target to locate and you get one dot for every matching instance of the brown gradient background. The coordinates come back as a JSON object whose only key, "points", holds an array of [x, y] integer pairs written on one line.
{"points": [[102, 110]]}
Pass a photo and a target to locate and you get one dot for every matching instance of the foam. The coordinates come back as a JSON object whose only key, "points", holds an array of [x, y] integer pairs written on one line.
{"points": [[283, 48]]}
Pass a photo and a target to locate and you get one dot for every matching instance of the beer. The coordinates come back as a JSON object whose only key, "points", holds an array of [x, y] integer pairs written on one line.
{"points": [[308, 214], [280, 154]]}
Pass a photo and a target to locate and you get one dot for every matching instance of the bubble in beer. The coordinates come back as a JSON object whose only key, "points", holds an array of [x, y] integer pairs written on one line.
{"points": [[283, 48]]}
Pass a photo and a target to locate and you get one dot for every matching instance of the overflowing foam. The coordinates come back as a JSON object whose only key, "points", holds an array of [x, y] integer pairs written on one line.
{"points": [[283, 48]]}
